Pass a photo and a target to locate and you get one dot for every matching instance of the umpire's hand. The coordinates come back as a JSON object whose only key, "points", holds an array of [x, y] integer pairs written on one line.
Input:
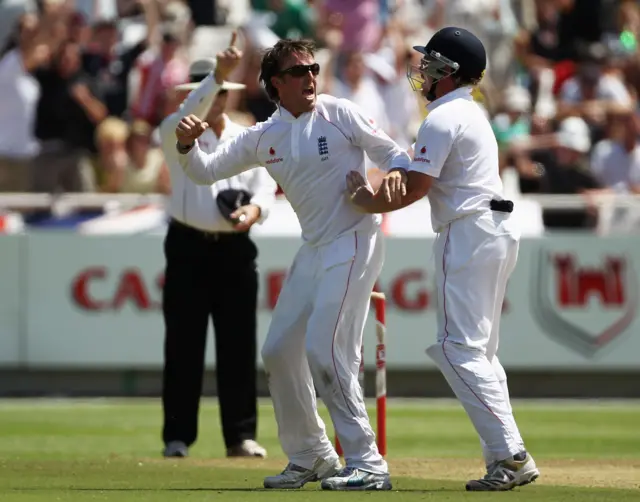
{"points": [[245, 217], [228, 60]]}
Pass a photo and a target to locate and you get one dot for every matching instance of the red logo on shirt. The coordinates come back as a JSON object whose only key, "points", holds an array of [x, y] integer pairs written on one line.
{"points": [[272, 152], [423, 149]]}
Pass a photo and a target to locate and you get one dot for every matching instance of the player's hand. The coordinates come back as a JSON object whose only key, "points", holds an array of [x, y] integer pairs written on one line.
{"points": [[228, 60], [358, 190], [394, 185], [246, 217], [189, 129]]}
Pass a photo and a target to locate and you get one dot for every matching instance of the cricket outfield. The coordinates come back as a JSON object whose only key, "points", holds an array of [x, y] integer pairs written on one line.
{"points": [[76, 450]]}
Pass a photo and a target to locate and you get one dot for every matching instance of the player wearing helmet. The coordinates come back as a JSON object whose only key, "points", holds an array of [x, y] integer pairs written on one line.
{"points": [[455, 164]]}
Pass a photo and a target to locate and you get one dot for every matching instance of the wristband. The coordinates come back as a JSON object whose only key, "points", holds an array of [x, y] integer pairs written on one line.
{"points": [[182, 149]]}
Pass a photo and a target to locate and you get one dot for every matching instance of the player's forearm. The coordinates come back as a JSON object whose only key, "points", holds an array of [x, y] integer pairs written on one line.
{"points": [[388, 156], [378, 203], [198, 166]]}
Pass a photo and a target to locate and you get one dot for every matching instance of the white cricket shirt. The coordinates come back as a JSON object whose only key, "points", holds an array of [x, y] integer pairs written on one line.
{"points": [[309, 157], [457, 147], [19, 95], [195, 204]]}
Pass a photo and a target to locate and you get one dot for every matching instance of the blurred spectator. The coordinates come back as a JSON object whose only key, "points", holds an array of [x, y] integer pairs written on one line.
{"points": [[355, 83], [541, 47], [79, 29], [623, 42], [615, 160], [567, 171], [159, 74], [593, 91], [111, 65], [513, 120], [289, 18], [358, 21], [67, 115], [10, 13], [134, 8], [582, 23], [257, 37], [207, 13], [29, 46], [561, 169], [146, 171], [112, 158]]}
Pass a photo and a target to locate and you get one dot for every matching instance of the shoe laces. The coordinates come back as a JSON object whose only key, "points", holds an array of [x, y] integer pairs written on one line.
{"points": [[293, 468], [347, 471], [497, 470]]}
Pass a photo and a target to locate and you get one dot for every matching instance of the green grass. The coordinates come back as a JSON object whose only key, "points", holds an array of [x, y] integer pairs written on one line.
{"points": [[110, 450]]}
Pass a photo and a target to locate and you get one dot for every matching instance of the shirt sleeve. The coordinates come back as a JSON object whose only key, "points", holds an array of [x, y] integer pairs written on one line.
{"points": [[264, 191], [230, 158], [364, 132], [433, 145], [197, 103]]}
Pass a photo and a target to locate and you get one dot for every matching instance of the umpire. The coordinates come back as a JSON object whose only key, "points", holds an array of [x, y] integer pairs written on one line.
{"points": [[211, 272]]}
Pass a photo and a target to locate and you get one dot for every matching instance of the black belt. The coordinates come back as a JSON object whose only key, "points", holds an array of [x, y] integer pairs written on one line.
{"points": [[503, 206], [204, 234]]}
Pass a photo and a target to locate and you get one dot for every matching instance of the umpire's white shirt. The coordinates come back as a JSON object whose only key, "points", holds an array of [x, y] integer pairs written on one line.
{"points": [[457, 147], [309, 157], [195, 205]]}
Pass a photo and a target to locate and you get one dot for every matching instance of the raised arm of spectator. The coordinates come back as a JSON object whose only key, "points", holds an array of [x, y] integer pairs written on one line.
{"points": [[38, 37], [152, 20], [93, 107]]}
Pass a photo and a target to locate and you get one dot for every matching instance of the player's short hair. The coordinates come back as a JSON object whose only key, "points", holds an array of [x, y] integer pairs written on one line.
{"points": [[275, 56]]}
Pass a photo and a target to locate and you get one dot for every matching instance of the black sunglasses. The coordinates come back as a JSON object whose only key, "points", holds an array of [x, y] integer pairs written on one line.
{"points": [[300, 70]]}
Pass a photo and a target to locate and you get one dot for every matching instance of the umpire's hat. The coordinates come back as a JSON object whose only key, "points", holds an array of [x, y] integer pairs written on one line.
{"points": [[459, 49], [199, 69]]}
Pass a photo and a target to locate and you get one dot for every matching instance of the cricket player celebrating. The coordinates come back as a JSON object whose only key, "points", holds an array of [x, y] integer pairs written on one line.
{"points": [[308, 146], [456, 164]]}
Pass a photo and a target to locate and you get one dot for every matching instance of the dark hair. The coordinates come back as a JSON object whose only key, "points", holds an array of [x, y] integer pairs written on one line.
{"points": [[274, 57]]}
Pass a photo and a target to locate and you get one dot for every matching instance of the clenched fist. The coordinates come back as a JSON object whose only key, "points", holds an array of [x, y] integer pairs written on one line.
{"points": [[189, 129], [228, 60]]}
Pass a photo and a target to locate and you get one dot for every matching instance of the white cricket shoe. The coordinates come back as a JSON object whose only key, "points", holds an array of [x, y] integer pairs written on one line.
{"points": [[351, 478], [295, 476], [506, 475]]}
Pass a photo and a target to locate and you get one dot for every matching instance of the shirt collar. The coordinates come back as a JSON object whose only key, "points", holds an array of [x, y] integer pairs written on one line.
{"points": [[460, 93], [284, 114]]}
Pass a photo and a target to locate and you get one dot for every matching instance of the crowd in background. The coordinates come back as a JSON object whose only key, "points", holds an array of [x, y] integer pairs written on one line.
{"points": [[83, 91]]}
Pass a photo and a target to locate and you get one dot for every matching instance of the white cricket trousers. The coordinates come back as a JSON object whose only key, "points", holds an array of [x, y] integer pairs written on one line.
{"points": [[315, 337], [474, 257]]}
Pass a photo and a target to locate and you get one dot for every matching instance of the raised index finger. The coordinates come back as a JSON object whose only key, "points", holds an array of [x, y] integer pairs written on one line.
{"points": [[234, 35]]}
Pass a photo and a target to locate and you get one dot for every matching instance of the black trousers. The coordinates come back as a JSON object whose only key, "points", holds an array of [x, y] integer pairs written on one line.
{"points": [[208, 277]]}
